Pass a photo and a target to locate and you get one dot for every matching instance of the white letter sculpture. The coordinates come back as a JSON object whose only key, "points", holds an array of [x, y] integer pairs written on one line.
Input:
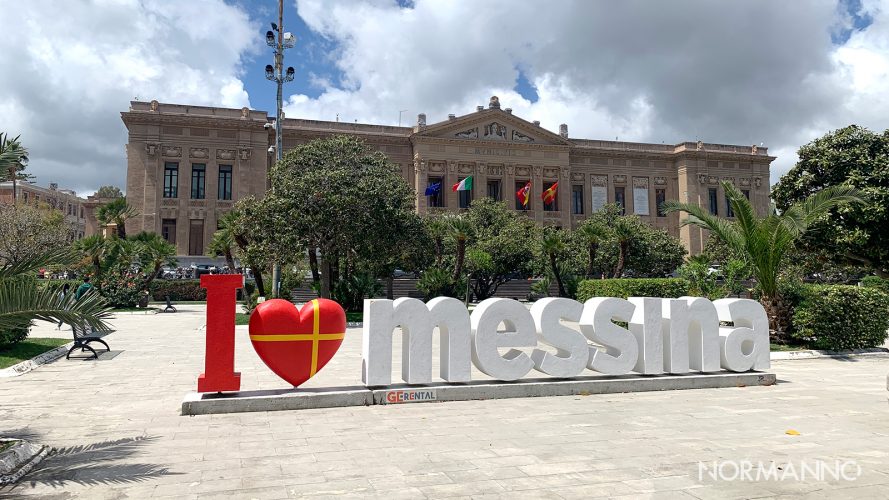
{"points": [[571, 347], [691, 332], [486, 340], [645, 325], [417, 320], [621, 349], [746, 345]]}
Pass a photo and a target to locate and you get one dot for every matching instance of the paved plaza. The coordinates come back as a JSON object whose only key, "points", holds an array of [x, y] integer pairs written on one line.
{"points": [[118, 432]]}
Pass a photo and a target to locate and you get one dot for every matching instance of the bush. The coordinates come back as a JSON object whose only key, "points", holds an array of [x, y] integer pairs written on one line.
{"points": [[632, 287], [178, 290], [351, 292], [121, 290], [875, 282], [436, 282], [836, 317], [12, 336]]}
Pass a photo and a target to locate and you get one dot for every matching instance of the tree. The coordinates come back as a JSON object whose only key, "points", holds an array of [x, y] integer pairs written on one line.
{"points": [[623, 230], [27, 231], [460, 230], [553, 246], [94, 249], [117, 211], [108, 192], [502, 245], [152, 253], [765, 241], [591, 233], [855, 233], [223, 241], [345, 199], [13, 160], [252, 227]]}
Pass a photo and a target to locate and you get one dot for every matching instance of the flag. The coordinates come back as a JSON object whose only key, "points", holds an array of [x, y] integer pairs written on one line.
{"points": [[524, 194], [549, 195], [464, 185], [433, 189]]}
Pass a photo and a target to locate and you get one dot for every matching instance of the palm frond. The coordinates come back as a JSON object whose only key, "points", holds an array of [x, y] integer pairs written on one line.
{"points": [[21, 302], [50, 257], [798, 217], [697, 216]]}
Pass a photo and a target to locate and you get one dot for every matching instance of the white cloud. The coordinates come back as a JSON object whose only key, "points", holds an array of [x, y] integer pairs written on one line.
{"points": [[741, 72], [70, 68]]}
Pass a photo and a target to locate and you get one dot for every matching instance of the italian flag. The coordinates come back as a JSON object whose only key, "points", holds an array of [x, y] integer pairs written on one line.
{"points": [[464, 185]]}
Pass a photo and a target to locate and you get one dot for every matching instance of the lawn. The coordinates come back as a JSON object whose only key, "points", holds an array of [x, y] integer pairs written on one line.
{"points": [[28, 349], [352, 316], [785, 347]]}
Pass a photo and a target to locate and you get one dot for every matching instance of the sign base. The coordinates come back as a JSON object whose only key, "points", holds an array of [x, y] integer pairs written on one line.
{"points": [[302, 399]]}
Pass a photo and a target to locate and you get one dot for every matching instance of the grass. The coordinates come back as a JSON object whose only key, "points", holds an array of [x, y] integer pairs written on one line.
{"points": [[785, 347], [27, 349], [352, 316]]}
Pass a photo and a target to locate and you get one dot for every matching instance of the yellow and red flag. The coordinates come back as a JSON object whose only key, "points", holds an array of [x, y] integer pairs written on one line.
{"points": [[550, 194], [524, 194]]}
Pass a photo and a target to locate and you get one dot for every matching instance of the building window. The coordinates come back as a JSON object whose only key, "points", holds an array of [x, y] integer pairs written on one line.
{"points": [[494, 190], [728, 207], [519, 188], [225, 182], [552, 206], [168, 230], [465, 197], [577, 199], [171, 180], [714, 202], [198, 181], [81, 212], [746, 193], [196, 237], [25, 195], [436, 200], [660, 196], [620, 199]]}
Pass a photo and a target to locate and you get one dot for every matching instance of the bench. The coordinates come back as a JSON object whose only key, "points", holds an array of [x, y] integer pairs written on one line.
{"points": [[82, 338]]}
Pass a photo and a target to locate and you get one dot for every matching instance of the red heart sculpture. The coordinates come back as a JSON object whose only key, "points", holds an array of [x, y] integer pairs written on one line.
{"points": [[297, 343]]}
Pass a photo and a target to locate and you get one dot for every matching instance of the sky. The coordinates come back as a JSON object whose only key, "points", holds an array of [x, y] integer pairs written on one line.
{"points": [[736, 71]]}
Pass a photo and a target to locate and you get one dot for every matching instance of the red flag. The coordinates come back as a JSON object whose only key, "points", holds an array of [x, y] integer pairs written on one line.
{"points": [[550, 194], [524, 194]]}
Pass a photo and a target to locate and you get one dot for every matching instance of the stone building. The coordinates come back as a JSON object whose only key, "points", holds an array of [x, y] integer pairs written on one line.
{"points": [[64, 200], [187, 165]]}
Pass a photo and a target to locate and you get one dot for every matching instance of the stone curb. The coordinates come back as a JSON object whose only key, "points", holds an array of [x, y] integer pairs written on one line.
{"points": [[19, 460], [30, 364], [812, 354], [301, 399]]}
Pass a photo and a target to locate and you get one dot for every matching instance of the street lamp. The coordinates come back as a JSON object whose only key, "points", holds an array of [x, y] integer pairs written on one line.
{"points": [[277, 74]]}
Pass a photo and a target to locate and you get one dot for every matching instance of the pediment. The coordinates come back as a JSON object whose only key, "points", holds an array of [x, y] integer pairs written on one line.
{"points": [[492, 125]]}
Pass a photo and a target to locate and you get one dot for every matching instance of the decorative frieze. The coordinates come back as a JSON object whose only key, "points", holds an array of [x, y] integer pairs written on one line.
{"points": [[522, 171], [174, 151], [244, 153], [550, 172], [713, 179], [730, 180], [757, 181], [465, 168], [599, 180], [520, 137], [150, 149], [577, 176], [702, 178], [495, 170], [225, 154], [198, 153], [495, 132], [660, 181], [640, 182], [467, 134], [745, 181], [620, 179]]}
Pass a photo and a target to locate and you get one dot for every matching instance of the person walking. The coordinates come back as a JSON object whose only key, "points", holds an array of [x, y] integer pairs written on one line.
{"points": [[62, 294], [85, 287]]}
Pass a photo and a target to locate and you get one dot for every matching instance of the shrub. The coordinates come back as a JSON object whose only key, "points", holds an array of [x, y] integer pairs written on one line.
{"points": [[632, 287], [437, 282], [121, 290], [875, 282], [836, 317], [351, 292], [12, 336], [178, 290]]}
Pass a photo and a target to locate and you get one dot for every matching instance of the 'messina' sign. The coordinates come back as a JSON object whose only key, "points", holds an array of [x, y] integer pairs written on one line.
{"points": [[662, 336]]}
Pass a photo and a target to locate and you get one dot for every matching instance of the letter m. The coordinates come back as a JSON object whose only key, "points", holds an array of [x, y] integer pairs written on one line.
{"points": [[417, 320]]}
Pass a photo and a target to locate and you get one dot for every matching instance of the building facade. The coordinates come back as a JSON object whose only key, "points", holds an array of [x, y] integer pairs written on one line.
{"points": [[64, 200], [187, 165]]}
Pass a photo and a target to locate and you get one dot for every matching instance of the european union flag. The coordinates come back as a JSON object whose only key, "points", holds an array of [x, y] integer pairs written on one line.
{"points": [[433, 189]]}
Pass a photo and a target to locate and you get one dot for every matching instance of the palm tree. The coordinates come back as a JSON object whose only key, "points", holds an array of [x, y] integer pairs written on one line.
{"points": [[765, 241], [13, 158], [94, 248], [592, 233], [21, 301], [117, 211], [624, 231], [553, 246], [438, 228], [461, 230], [153, 253], [223, 241]]}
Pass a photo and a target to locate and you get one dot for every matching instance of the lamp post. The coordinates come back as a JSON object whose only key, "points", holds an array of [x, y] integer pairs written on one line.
{"points": [[277, 74]]}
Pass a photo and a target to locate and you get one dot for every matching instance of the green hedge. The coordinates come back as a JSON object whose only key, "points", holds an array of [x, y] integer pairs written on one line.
{"points": [[875, 282], [177, 290], [632, 287], [836, 317]]}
